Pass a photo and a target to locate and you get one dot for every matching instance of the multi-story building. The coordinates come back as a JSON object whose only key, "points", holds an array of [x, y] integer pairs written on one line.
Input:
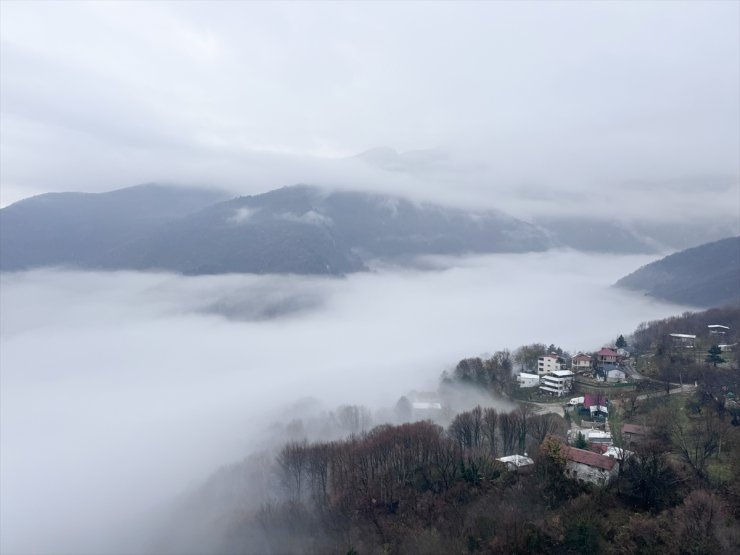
{"points": [[557, 382], [581, 362], [547, 364]]}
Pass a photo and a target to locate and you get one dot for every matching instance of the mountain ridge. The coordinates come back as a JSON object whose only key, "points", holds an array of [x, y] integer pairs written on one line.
{"points": [[295, 229], [705, 276]]}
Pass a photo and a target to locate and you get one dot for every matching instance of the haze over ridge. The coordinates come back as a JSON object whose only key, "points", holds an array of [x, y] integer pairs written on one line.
{"points": [[629, 108]]}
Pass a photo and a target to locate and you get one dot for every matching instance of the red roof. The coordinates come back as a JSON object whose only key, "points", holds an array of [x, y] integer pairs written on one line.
{"points": [[607, 353], [600, 448], [581, 357], [594, 400], [589, 459]]}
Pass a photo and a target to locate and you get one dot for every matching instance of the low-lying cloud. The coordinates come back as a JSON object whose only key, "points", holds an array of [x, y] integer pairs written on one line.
{"points": [[122, 390]]}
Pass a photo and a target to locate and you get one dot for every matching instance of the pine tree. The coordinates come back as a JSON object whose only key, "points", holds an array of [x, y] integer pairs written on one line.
{"points": [[714, 355]]}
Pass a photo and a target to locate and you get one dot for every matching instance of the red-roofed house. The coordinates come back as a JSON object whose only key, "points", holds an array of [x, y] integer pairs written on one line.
{"points": [[606, 355], [587, 466], [596, 403], [581, 362]]}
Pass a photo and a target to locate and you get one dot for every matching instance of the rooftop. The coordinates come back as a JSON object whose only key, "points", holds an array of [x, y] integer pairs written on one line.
{"points": [[516, 460], [589, 458], [605, 352], [635, 430]]}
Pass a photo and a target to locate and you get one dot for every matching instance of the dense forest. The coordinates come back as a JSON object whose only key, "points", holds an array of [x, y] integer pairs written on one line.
{"points": [[422, 487]]}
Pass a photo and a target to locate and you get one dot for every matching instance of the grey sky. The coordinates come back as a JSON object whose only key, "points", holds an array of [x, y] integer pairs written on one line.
{"points": [[579, 98]]}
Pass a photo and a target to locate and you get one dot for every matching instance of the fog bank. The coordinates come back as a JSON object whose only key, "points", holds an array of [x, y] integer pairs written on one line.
{"points": [[121, 390]]}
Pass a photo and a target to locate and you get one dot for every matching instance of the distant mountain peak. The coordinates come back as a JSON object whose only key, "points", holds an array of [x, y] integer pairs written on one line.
{"points": [[297, 229]]}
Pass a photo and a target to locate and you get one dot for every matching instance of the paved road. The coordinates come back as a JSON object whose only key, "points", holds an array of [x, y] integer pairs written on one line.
{"points": [[545, 408], [557, 408]]}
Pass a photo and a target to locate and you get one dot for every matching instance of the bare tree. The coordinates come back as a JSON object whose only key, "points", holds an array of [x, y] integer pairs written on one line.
{"points": [[293, 465], [542, 425], [476, 418], [490, 425], [697, 441], [461, 430], [509, 431], [523, 414]]}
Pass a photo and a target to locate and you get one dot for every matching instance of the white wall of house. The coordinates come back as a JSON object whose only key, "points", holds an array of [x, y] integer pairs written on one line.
{"points": [[528, 380], [557, 385], [590, 474], [547, 364], [581, 364]]}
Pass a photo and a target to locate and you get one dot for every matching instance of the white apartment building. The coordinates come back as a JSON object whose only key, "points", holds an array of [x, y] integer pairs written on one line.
{"points": [[528, 380], [547, 364], [557, 382]]}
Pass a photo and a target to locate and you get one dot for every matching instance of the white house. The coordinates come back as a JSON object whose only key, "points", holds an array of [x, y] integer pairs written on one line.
{"points": [[718, 329], [547, 364], [587, 466], [528, 380], [557, 382], [590, 435], [683, 340], [425, 403], [617, 453], [517, 462]]}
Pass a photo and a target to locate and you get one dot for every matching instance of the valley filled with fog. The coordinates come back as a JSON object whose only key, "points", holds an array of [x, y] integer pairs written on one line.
{"points": [[121, 391]]}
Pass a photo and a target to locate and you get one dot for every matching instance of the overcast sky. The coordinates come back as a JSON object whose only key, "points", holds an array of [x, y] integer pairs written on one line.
{"points": [[518, 103]]}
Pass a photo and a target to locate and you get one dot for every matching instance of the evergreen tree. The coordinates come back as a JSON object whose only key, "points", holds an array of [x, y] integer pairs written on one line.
{"points": [[581, 442], [714, 355], [621, 343]]}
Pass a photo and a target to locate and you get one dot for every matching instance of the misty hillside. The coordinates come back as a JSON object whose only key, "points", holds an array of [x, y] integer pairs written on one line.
{"points": [[705, 276], [297, 229], [595, 235], [590, 234], [83, 229]]}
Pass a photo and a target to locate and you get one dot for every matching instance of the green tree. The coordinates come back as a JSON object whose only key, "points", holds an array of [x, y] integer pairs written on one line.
{"points": [[714, 355], [581, 442], [621, 343]]}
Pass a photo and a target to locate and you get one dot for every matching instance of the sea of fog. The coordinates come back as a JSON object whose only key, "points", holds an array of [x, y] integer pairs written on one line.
{"points": [[119, 391]]}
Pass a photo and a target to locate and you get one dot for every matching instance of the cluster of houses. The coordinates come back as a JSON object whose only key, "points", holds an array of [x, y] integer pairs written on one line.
{"points": [[554, 378], [599, 462], [580, 464], [688, 340]]}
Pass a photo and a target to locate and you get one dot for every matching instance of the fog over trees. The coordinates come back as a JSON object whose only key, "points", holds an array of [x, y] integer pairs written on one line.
{"points": [[240, 241], [148, 382]]}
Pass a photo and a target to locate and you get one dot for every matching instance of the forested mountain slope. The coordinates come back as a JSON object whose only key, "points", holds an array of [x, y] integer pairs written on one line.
{"points": [[703, 276], [298, 229]]}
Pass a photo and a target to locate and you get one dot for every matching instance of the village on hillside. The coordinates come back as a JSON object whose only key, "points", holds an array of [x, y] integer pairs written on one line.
{"points": [[583, 387]]}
